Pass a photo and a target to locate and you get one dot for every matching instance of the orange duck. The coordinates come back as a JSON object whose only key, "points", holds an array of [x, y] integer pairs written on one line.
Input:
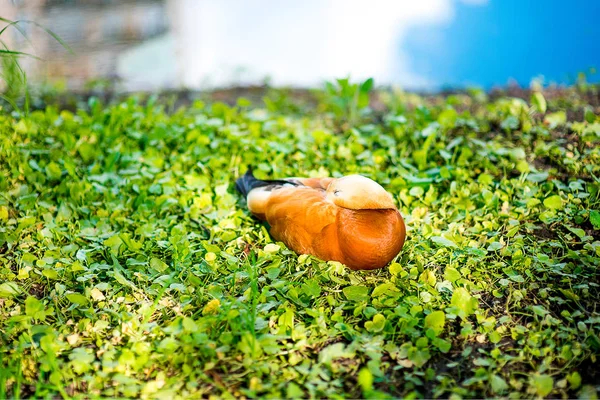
{"points": [[352, 219]]}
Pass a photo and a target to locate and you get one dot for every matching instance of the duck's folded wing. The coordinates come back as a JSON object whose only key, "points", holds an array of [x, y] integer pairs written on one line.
{"points": [[315, 183], [299, 217]]}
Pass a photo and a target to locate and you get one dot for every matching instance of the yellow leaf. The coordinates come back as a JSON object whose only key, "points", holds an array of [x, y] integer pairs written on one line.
{"points": [[4, 213], [272, 248], [97, 294], [211, 307]]}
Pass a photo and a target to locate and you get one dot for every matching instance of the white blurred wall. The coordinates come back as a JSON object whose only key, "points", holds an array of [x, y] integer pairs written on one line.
{"points": [[215, 43]]}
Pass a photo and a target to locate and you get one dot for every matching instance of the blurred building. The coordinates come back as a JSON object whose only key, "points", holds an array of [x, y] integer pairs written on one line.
{"points": [[98, 32]]}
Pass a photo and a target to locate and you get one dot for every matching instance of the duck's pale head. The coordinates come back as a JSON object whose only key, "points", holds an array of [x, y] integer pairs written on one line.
{"points": [[357, 192]]}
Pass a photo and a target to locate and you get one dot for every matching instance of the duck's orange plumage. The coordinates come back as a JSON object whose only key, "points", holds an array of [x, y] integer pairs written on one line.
{"points": [[352, 219]]}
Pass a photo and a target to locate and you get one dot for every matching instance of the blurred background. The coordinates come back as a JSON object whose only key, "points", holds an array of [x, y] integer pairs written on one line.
{"points": [[204, 44]]}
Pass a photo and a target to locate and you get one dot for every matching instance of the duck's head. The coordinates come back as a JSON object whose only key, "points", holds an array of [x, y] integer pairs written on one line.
{"points": [[357, 192]]}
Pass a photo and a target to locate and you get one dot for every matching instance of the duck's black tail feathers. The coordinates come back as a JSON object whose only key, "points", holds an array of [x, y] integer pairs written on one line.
{"points": [[247, 182]]}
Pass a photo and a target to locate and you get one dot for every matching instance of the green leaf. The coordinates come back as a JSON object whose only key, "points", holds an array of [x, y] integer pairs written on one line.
{"points": [[498, 384], [53, 171], [543, 384], [311, 288], [442, 241], [4, 52], [510, 123], [158, 265], [589, 115], [428, 277], [436, 321], [494, 337], [26, 222], [356, 293], [81, 360], [420, 357], [539, 310], [9, 289], [556, 119], [485, 179], [86, 151], [539, 102], [77, 298], [451, 274], [464, 302], [50, 273], [580, 233], [286, 321], [365, 379], [595, 219], [189, 325], [494, 246], [443, 346], [367, 85], [114, 242], [122, 280], [377, 324], [537, 177], [385, 288], [574, 380], [333, 352], [569, 294], [35, 308], [523, 166], [293, 391], [417, 191], [396, 268], [447, 118], [554, 202], [420, 157]]}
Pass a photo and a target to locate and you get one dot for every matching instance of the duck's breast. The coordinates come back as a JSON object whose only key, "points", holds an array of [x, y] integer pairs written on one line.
{"points": [[370, 239]]}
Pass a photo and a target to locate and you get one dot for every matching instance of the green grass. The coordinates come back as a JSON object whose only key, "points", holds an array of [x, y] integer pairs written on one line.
{"points": [[129, 267]]}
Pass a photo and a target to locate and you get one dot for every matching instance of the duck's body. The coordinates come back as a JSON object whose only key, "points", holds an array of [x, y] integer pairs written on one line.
{"points": [[352, 220]]}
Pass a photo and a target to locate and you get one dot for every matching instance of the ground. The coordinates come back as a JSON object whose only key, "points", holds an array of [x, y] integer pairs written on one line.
{"points": [[130, 267]]}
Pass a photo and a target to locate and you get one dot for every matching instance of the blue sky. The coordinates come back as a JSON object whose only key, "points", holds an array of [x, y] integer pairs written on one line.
{"points": [[488, 44]]}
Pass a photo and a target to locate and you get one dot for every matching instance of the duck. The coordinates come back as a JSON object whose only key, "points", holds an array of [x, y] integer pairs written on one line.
{"points": [[352, 219]]}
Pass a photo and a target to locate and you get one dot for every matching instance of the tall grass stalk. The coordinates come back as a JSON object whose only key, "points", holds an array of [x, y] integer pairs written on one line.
{"points": [[13, 74]]}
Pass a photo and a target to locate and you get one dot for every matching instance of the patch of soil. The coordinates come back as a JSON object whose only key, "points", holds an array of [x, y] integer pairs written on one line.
{"points": [[496, 305], [589, 371], [575, 114], [174, 99], [592, 96], [75, 388], [543, 232], [36, 290], [590, 230], [561, 173], [543, 163], [25, 391]]}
